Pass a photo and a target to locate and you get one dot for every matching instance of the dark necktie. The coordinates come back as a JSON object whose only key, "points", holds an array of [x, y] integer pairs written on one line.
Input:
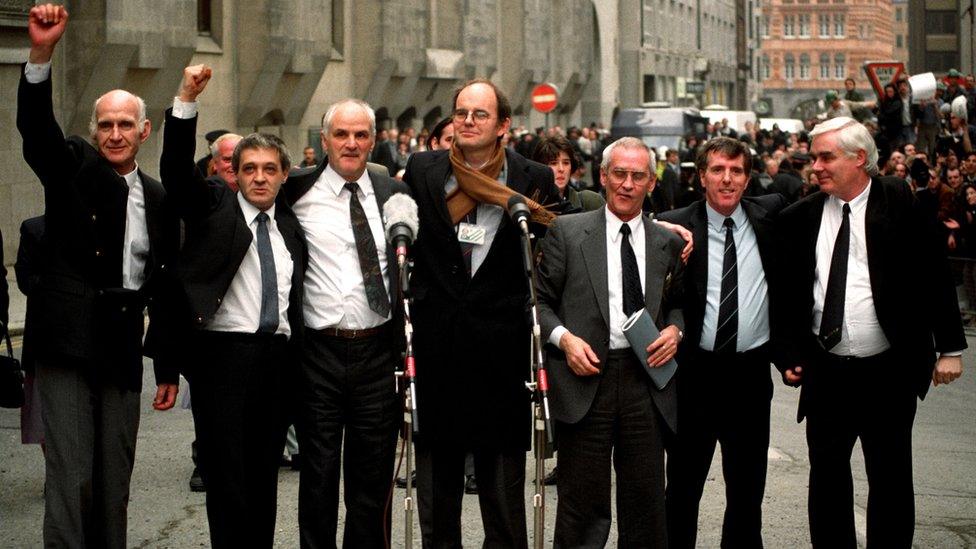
{"points": [[833, 311], [467, 247], [633, 296], [268, 321], [728, 309], [369, 262]]}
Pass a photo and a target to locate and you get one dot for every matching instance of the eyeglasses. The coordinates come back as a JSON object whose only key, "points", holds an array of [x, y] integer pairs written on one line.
{"points": [[478, 115], [619, 175]]}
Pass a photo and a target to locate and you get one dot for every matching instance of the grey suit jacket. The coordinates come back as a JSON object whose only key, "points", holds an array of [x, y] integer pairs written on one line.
{"points": [[573, 292]]}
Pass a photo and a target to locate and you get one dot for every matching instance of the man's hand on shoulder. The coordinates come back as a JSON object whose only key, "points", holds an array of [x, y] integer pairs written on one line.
{"points": [[45, 26], [579, 355], [195, 78], [685, 235], [947, 369]]}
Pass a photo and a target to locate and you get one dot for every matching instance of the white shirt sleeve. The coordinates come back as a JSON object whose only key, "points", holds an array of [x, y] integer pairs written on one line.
{"points": [[557, 334], [37, 72], [184, 110]]}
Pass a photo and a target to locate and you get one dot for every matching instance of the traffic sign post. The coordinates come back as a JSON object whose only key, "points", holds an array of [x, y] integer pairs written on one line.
{"points": [[545, 97]]}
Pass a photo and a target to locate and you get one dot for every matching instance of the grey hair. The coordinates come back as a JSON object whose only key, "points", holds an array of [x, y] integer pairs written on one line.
{"points": [[852, 136], [140, 107], [262, 141], [628, 143], [215, 146], [333, 108]]}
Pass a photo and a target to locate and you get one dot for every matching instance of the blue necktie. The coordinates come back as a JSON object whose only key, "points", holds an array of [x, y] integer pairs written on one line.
{"points": [[268, 322]]}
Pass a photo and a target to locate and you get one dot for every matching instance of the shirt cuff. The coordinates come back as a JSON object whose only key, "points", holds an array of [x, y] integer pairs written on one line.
{"points": [[37, 72], [556, 335], [951, 353], [184, 110]]}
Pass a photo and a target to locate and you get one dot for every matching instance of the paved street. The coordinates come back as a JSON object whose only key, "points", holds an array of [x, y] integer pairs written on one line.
{"points": [[164, 513]]}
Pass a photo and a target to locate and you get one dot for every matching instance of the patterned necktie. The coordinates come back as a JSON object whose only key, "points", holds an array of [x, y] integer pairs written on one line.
{"points": [[833, 311], [633, 294], [728, 308], [268, 321], [369, 262], [468, 247]]}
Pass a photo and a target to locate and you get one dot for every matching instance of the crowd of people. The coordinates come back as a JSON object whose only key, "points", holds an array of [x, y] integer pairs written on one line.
{"points": [[270, 282]]}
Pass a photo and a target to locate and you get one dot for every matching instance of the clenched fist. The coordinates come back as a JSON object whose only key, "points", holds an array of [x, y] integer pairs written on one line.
{"points": [[45, 26], [195, 79]]}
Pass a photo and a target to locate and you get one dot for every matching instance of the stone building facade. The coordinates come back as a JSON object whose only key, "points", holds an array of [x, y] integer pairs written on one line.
{"points": [[899, 28], [811, 46], [279, 63]]}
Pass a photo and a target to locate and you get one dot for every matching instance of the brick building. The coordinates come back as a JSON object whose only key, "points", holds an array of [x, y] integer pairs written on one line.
{"points": [[811, 46]]}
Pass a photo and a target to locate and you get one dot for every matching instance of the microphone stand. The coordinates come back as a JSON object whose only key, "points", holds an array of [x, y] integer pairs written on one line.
{"points": [[408, 374], [539, 386]]}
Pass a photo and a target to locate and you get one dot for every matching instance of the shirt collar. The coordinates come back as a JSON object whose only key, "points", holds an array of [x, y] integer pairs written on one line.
{"points": [[132, 178], [337, 183], [251, 211], [716, 221], [614, 223], [858, 203]]}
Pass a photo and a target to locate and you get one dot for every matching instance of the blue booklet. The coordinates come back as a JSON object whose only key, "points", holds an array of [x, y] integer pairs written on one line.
{"points": [[640, 332]]}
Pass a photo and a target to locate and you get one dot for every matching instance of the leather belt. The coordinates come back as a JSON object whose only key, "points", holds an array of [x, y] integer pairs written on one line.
{"points": [[353, 334]]}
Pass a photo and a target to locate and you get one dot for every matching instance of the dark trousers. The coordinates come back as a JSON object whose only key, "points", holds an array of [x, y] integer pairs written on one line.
{"points": [[348, 393], [623, 424], [501, 495], [723, 399], [869, 399], [90, 428], [239, 385]]}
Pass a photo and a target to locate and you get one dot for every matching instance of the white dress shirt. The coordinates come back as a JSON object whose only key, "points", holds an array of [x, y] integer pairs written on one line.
{"points": [[488, 216], [135, 242], [615, 277], [752, 293], [240, 309], [861, 333], [335, 294]]}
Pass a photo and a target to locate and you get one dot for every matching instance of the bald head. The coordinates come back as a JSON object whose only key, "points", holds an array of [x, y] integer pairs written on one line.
{"points": [[118, 127]]}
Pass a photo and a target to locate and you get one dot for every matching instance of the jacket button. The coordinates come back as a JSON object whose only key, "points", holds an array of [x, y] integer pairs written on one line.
{"points": [[98, 253], [124, 308], [454, 269], [218, 301], [199, 320], [94, 217]]}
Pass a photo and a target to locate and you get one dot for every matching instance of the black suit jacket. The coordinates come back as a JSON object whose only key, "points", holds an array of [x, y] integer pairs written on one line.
{"points": [[216, 235], [573, 292], [29, 256], [471, 337], [914, 296], [83, 312]]}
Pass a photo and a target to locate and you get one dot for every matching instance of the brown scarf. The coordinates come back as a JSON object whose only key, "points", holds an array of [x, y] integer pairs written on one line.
{"points": [[482, 186]]}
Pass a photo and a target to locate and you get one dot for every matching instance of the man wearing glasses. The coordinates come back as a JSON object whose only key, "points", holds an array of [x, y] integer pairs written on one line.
{"points": [[471, 337], [598, 268]]}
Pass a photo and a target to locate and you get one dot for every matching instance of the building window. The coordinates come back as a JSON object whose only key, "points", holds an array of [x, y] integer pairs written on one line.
{"points": [[804, 67], [789, 70], [898, 15], [204, 17], [789, 26], [823, 21], [825, 66], [766, 72], [899, 41], [941, 22], [804, 25], [839, 30], [840, 71], [764, 26], [338, 27]]}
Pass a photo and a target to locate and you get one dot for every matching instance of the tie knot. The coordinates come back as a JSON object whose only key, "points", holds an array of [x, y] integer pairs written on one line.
{"points": [[352, 187], [729, 223], [262, 217], [847, 209], [625, 229]]}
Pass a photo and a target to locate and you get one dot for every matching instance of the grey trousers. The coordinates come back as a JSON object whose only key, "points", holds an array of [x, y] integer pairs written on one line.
{"points": [[90, 431]]}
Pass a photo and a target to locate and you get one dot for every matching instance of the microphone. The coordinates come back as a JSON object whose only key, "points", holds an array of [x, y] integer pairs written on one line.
{"points": [[402, 223], [519, 212]]}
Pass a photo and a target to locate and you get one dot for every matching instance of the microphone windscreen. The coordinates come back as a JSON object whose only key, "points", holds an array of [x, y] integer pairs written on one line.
{"points": [[400, 209], [515, 199]]}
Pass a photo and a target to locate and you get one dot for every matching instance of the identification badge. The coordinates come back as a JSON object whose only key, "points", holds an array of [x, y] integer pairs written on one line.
{"points": [[471, 234]]}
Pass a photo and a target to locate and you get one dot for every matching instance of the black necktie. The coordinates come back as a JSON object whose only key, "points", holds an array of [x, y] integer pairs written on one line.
{"points": [[633, 292], [833, 311], [369, 262], [728, 308], [268, 321]]}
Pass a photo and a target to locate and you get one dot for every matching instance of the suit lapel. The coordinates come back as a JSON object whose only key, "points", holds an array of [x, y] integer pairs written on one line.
{"points": [[382, 191], [699, 259], [594, 250], [655, 262], [763, 229], [875, 230], [437, 173], [153, 194]]}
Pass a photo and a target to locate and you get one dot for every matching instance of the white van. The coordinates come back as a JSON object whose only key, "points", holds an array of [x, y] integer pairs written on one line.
{"points": [[791, 125], [737, 119]]}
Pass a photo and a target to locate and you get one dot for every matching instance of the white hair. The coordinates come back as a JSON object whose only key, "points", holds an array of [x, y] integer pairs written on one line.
{"points": [[628, 143], [140, 115], [852, 136], [333, 108], [215, 146]]}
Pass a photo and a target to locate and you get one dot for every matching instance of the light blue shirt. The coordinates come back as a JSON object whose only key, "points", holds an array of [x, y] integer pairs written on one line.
{"points": [[753, 297], [489, 216]]}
